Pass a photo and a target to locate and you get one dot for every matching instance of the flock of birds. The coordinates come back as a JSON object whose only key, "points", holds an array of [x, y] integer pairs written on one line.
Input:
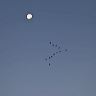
{"points": [[59, 50]]}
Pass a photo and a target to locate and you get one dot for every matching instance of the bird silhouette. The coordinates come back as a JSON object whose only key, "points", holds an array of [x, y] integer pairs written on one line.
{"points": [[49, 57], [50, 42], [60, 51], [53, 54]]}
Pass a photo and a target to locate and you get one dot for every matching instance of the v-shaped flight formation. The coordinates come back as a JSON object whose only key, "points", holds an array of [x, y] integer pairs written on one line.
{"points": [[58, 50]]}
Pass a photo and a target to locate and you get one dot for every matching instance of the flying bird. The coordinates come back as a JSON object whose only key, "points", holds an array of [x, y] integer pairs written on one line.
{"points": [[53, 54], [49, 57], [60, 51], [50, 42], [49, 64]]}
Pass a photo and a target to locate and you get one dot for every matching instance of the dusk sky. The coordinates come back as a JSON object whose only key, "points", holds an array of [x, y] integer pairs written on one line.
{"points": [[24, 45]]}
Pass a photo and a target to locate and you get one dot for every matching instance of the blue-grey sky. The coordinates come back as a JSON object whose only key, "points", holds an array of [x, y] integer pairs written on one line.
{"points": [[25, 44]]}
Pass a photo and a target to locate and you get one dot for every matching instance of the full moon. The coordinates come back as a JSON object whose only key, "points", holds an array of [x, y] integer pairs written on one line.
{"points": [[29, 16]]}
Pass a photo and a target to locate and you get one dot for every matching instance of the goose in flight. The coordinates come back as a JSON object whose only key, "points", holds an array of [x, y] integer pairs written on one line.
{"points": [[50, 42], [53, 54], [49, 57]]}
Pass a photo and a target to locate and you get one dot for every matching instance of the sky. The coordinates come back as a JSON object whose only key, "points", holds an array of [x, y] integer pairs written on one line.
{"points": [[24, 46]]}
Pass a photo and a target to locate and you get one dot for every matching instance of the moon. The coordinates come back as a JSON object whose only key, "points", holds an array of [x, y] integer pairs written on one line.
{"points": [[29, 16]]}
